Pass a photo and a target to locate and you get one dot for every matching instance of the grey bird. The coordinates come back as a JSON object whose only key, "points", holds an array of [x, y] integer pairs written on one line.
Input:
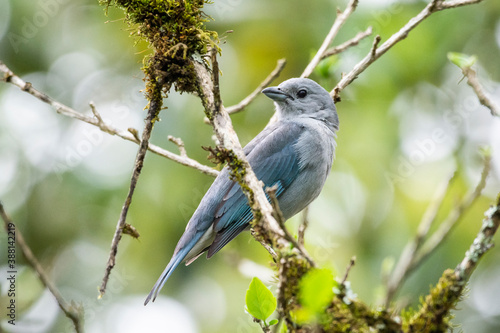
{"points": [[295, 153]]}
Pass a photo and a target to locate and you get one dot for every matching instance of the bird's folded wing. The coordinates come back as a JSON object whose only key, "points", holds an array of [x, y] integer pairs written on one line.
{"points": [[274, 159]]}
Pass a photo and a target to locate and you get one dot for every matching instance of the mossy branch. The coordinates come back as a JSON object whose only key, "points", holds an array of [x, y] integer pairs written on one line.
{"points": [[168, 26], [434, 312]]}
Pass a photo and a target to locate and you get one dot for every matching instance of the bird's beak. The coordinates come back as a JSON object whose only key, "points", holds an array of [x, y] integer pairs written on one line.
{"points": [[276, 94]]}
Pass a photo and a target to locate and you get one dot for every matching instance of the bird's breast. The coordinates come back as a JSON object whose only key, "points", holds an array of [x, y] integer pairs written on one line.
{"points": [[316, 147]]}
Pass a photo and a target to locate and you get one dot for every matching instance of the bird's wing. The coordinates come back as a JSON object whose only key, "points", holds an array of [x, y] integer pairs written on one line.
{"points": [[274, 160], [224, 209]]}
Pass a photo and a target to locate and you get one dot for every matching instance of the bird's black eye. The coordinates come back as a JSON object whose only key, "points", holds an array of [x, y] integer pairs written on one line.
{"points": [[301, 93]]}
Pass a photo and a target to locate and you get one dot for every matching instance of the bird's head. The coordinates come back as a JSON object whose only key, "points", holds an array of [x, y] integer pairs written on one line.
{"points": [[301, 97]]}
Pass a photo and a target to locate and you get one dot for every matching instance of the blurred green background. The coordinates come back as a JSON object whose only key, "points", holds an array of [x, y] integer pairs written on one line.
{"points": [[64, 182]]}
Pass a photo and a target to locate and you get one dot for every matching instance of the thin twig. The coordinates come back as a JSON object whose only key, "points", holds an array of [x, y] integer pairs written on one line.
{"points": [[479, 90], [451, 220], [265, 329], [405, 262], [135, 133], [264, 244], [455, 3], [374, 54], [247, 100], [278, 215], [352, 262], [339, 22], [10, 77], [430, 214], [350, 43], [418, 250], [74, 314], [180, 144], [304, 223], [154, 109], [376, 41], [96, 114]]}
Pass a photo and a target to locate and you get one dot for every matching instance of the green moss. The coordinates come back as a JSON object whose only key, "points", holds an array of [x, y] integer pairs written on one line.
{"points": [[356, 317], [434, 313], [176, 31], [296, 267]]}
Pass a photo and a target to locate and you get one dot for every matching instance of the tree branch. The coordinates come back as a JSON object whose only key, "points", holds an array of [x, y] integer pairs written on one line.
{"points": [[74, 314], [153, 111], [417, 250], [351, 42], [351, 264], [434, 313], [179, 143], [278, 215], [479, 90], [304, 223], [407, 258], [10, 77], [454, 216], [455, 3], [377, 52], [482, 243], [339, 22]]}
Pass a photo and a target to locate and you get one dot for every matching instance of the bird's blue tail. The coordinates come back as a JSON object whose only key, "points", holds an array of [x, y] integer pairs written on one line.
{"points": [[172, 265]]}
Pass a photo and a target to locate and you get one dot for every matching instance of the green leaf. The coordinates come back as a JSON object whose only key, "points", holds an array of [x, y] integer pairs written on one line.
{"points": [[273, 322], [462, 60], [316, 290], [260, 301]]}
